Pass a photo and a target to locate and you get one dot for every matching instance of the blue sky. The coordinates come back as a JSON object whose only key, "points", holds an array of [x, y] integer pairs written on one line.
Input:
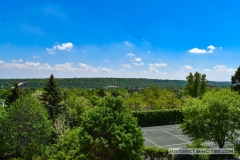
{"points": [[133, 39]]}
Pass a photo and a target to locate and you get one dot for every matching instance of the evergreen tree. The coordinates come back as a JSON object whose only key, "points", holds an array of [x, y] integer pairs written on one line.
{"points": [[52, 97], [15, 94], [235, 80]]}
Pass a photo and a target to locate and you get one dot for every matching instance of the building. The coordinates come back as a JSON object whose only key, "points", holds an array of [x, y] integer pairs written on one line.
{"points": [[112, 86], [136, 89], [22, 85]]}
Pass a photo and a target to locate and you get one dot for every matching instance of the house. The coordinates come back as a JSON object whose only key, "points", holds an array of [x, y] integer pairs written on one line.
{"points": [[136, 89]]}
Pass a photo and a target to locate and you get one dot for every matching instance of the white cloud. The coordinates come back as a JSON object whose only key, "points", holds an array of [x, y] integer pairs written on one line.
{"points": [[130, 54], [50, 51], [158, 64], [33, 64], [148, 51], [126, 66], [138, 59], [65, 46], [35, 57], [210, 48], [207, 70], [138, 64], [127, 43], [106, 61], [153, 67], [188, 67], [15, 61], [89, 68], [65, 67], [222, 69]]}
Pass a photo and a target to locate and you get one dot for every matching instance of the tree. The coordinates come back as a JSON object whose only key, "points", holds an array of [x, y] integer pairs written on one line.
{"points": [[29, 125], [6, 139], [198, 144], [235, 80], [15, 94], [51, 98], [67, 147], [111, 132], [214, 118], [76, 107], [196, 85]]}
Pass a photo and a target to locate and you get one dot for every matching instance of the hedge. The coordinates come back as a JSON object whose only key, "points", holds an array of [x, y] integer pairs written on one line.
{"points": [[158, 117], [153, 153]]}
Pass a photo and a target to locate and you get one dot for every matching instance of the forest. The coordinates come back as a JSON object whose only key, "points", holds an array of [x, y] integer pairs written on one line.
{"points": [[81, 119], [102, 82]]}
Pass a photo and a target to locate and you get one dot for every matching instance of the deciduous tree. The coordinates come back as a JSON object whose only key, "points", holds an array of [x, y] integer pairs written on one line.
{"points": [[109, 132], [214, 118], [196, 85], [29, 125]]}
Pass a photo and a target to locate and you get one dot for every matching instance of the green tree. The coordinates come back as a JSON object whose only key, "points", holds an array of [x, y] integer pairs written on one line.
{"points": [[214, 118], [15, 94], [198, 144], [6, 139], [196, 85], [51, 98], [235, 81], [67, 147], [110, 132], [28, 122], [76, 107]]}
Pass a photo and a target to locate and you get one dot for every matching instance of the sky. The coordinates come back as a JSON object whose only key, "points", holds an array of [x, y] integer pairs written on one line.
{"points": [[123, 38]]}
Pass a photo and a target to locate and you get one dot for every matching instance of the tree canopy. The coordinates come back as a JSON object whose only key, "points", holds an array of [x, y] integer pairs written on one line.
{"points": [[196, 84], [235, 79], [51, 98], [29, 126], [110, 132], [214, 118], [15, 94]]}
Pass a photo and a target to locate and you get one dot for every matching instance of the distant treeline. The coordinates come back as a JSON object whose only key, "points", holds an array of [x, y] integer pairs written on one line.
{"points": [[103, 82]]}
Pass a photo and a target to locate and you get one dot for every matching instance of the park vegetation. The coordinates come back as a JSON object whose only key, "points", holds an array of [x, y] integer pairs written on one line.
{"points": [[49, 121]]}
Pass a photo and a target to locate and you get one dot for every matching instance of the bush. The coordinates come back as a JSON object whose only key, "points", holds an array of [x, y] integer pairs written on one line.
{"points": [[153, 153], [158, 117]]}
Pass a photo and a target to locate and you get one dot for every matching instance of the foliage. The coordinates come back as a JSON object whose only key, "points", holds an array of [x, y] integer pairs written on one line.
{"points": [[129, 83], [51, 98], [110, 132], [214, 118], [198, 144], [158, 117], [29, 125], [76, 107], [196, 84], [6, 139], [157, 98], [235, 79], [60, 126], [67, 147], [154, 152], [15, 94]]}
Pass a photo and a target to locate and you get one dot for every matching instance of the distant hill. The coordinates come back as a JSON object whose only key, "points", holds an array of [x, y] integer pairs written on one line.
{"points": [[102, 82]]}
